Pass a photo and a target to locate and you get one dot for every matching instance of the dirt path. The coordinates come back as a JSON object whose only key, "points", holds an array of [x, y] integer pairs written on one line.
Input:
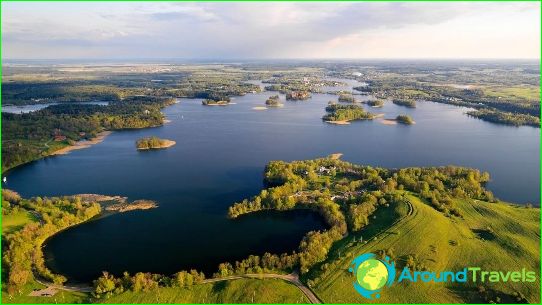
{"points": [[292, 278]]}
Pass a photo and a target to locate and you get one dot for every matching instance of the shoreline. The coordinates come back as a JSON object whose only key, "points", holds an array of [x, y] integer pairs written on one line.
{"points": [[338, 122], [82, 144]]}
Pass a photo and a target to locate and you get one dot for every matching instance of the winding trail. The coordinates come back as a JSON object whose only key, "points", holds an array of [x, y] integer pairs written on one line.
{"points": [[292, 278]]}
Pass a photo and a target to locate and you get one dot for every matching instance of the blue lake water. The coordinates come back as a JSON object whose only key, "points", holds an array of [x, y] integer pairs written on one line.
{"points": [[219, 159], [35, 107]]}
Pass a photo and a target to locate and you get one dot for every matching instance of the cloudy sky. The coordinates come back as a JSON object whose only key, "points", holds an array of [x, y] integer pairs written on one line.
{"points": [[270, 30]]}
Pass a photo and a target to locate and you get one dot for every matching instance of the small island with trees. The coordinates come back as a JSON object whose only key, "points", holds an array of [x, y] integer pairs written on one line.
{"points": [[212, 102], [343, 114], [405, 102], [298, 95], [405, 119], [347, 98], [375, 103], [273, 101], [153, 143]]}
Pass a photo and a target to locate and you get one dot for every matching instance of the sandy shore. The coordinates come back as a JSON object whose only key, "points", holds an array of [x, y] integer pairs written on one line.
{"points": [[83, 144], [338, 122], [335, 156], [388, 122]]}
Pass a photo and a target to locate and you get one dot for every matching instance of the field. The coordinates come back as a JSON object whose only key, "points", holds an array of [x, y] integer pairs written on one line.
{"points": [[530, 93], [15, 221], [234, 291], [443, 243]]}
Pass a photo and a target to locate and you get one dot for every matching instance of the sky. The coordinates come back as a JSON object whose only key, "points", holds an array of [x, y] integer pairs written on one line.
{"points": [[346, 30]]}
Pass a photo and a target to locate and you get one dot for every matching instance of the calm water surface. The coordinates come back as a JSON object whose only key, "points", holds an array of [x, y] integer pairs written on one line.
{"points": [[219, 159], [35, 107]]}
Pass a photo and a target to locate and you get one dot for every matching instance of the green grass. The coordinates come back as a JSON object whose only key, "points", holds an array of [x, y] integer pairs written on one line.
{"points": [[233, 291], [16, 221], [429, 234], [530, 93], [22, 297]]}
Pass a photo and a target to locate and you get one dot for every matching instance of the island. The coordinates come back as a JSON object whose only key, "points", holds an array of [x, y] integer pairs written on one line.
{"points": [[343, 114], [347, 98], [211, 102], [375, 103], [273, 101], [153, 143], [404, 119], [298, 95], [405, 102]]}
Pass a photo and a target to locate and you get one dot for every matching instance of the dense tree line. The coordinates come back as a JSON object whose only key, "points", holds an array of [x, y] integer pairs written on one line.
{"points": [[30, 136], [506, 118], [337, 112], [22, 252], [107, 284]]}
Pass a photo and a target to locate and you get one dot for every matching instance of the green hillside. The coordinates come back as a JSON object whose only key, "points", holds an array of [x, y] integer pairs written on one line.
{"points": [[442, 243]]}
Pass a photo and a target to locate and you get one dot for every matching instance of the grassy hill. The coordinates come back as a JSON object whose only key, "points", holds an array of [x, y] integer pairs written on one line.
{"points": [[441, 243]]}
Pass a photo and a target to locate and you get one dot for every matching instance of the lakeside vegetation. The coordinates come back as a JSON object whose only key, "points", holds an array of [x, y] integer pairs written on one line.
{"points": [[153, 143], [505, 118], [345, 113], [241, 291], [22, 258]]}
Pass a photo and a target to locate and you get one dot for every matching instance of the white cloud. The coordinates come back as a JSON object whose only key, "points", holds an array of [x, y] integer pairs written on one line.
{"points": [[270, 30]]}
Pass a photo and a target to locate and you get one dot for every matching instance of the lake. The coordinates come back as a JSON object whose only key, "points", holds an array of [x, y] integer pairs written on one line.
{"points": [[219, 159], [35, 107]]}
